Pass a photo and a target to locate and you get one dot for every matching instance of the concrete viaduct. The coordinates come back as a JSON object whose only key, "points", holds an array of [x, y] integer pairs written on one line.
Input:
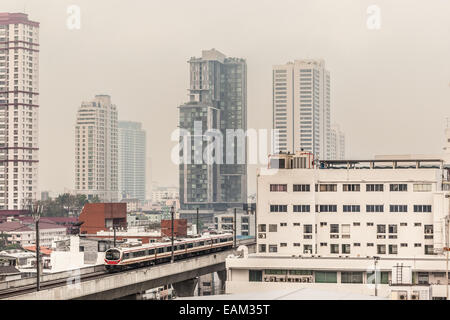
{"points": [[133, 283]]}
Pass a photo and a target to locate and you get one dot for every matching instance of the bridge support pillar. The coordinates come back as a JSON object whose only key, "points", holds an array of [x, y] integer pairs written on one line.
{"points": [[185, 288], [223, 278]]}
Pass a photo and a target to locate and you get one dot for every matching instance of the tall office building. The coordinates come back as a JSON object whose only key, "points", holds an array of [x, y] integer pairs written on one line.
{"points": [[301, 107], [132, 160], [218, 100], [96, 149], [19, 102], [337, 143], [148, 179]]}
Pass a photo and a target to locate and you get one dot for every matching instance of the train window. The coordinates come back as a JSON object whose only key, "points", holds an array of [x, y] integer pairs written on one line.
{"points": [[190, 245], [126, 256], [112, 255], [182, 247], [202, 243], [160, 250], [151, 251]]}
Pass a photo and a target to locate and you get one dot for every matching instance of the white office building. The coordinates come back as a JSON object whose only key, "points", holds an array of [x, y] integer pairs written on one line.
{"points": [[245, 223], [96, 149], [19, 109], [132, 160], [337, 143], [301, 107], [329, 225]]}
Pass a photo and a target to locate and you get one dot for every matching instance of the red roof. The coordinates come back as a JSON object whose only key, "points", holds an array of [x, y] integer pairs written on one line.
{"points": [[13, 226], [43, 250]]}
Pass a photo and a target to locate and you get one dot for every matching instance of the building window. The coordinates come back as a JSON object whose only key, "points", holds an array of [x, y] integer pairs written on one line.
{"points": [[262, 248], [255, 275], [398, 208], [351, 208], [422, 208], [422, 187], [392, 228], [334, 248], [351, 277], [429, 249], [398, 187], [283, 244], [272, 228], [261, 227], [374, 187], [301, 208], [374, 208], [381, 249], [328, 187], [392, 249], [326, 208], [428, 229], [278, 187], [301, 188], [381, 277], [325, 277], [278, 208], [273, 248], [351, 187], [307, 228], [334, 228], [346, 249], [381, 228]]}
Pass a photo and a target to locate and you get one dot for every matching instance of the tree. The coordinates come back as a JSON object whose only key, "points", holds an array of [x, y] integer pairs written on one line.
{"points": [[95, 199]]}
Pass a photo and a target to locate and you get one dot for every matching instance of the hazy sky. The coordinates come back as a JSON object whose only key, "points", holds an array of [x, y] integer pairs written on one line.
{"points": [[389, 87]]}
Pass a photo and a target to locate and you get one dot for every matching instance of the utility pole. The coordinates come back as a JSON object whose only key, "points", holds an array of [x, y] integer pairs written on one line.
{"points": [[375, 271], [36, 214], [172, 210], [114, 229], [234, 227], [197, 225]]}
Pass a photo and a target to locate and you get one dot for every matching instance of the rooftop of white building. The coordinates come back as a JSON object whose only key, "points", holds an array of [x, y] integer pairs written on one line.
{"points": [[289, 294]]}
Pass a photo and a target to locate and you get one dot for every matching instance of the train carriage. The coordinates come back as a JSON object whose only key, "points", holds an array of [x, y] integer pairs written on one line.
{"points": [[120, 258]]}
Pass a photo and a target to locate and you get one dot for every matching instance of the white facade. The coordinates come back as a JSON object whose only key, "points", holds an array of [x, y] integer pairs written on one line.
{"points": [[245, 223], [161, 195], [19, 109], [337, 143], [322, 227], [301, 107], [96, 149]]}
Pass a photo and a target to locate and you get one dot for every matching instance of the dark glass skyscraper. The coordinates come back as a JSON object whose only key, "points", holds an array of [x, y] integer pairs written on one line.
{"points": [[218, 104]]}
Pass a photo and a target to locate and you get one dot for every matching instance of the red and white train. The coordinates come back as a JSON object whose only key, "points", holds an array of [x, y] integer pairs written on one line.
{"points": [[117, 259]]}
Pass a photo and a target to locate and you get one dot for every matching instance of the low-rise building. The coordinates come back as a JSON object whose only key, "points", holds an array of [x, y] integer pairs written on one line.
{"points": [[245, 222], [102, 216], [348, 225]]}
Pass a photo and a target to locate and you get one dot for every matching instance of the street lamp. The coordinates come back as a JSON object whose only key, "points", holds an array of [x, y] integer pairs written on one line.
{"points": [[36, 214]]}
